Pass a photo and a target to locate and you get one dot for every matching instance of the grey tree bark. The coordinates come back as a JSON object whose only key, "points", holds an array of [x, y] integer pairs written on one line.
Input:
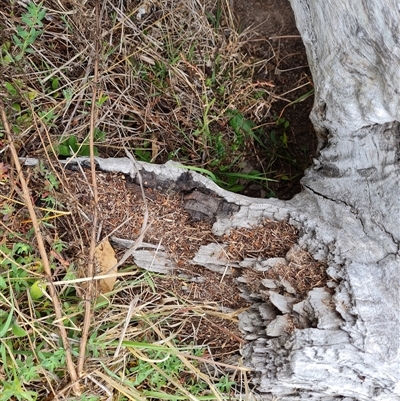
{"points": [[348, 214], [349, 211]]}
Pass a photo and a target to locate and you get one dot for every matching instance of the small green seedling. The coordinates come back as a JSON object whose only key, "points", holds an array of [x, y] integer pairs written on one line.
{"points": [[71, 146], [243, 127], [27, 35], [281, 121]]}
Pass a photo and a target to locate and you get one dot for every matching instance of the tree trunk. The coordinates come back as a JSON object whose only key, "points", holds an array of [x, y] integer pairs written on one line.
{"points": [[349, 211]]}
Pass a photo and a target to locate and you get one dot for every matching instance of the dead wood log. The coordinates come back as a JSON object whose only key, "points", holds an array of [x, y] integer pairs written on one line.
{"points": [[341, 339]]}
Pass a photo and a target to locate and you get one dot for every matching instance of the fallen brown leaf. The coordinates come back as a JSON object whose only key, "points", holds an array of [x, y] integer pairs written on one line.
{"points": [[105, 258]]}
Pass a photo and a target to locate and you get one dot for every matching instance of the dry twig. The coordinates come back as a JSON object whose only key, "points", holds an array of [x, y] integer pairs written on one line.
{"points": [[90, 293], [43, 254]]}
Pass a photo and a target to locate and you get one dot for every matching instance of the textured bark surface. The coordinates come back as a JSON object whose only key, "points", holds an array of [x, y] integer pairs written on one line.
{"points": [[353, 49], [349, 213]]}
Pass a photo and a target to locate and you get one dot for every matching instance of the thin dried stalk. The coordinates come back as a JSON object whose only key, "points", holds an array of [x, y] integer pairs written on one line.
{"points": [[43, 254], [91, 288]]}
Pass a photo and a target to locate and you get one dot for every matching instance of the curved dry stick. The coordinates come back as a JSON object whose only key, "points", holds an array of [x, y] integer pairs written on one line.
{"points": [[43, 254]]}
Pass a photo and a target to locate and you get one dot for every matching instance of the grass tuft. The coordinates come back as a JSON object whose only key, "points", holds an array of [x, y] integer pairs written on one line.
{"points": [[176, 82]]}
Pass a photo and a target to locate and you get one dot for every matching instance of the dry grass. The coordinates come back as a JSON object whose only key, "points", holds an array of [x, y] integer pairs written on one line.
{"points": [[167, 79], [165, 84]]}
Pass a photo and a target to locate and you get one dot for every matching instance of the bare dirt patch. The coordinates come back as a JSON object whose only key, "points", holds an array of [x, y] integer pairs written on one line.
{"points": [[271, 29]]}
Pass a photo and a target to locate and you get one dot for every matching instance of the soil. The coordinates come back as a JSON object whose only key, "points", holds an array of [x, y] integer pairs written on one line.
{"points": [[271, 29]]}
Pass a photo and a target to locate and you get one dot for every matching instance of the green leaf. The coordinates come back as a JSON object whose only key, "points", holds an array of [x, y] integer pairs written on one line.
{"points": [[200, 170], [99, 135], [3, 315], [67, 93], [7, 324], [21, 248], [37, 290], [16, 107], [32, 95], [247, 126], [284, 139], [253, 175], [101, 101], [236, 188], [273, 138], [63, 150], [73, 143], [17, 41], [18, 331], [10, 89], [16, 129], [6, 46], [143, 155], [84, 150], [27, 19], [69, 146], [22, 33], [8, 59], [55, 84]]}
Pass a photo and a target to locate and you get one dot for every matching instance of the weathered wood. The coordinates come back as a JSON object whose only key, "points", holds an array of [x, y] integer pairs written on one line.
{"points": [[346, 343], [349, 211]]}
